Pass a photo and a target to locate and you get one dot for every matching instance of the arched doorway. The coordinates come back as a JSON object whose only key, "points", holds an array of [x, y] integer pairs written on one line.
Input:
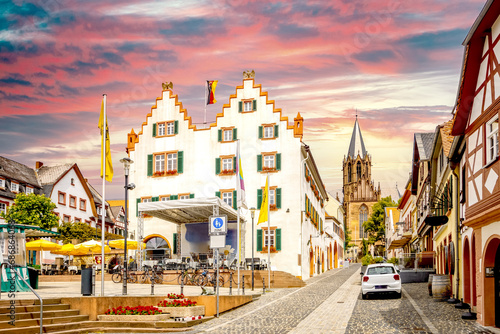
{"points": [[335, 255], [467, 287], [491, 282], [311, 263], [474, 278], [157, 247]]}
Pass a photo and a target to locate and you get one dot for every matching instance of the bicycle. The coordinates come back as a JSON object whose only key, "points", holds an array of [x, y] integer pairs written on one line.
{"points": [[187, 278], [117, 276], [206, 277], [153, 275]]}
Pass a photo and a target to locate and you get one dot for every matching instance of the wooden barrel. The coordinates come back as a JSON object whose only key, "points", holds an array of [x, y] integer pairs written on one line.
{"points": [[441, 287], [429, 284]]}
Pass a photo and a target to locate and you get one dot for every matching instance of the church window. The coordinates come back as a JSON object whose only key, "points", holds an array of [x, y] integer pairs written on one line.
{"points": [[349, 173], [363, 216], [358, 170]]}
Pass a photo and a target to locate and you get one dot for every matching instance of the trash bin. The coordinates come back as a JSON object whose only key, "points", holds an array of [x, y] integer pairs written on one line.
{"points": [[33, 275], [87, 281]]}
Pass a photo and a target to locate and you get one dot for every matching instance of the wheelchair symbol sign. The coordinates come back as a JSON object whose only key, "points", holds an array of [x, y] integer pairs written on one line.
{"points": [[218, 222]]}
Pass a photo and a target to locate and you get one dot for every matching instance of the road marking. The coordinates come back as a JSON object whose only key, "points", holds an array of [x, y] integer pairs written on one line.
{"points": [[268, 304], [419, 311]]}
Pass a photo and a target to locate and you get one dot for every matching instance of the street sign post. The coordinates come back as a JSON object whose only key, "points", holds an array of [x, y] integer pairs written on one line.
{"points": [[217, 232]]}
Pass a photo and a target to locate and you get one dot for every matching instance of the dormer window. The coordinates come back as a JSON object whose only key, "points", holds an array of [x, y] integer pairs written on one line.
{"points": [[29, 190], [14, 187], [2, 183]]}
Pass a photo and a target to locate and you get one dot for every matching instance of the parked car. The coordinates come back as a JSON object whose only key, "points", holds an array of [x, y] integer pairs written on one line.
{"points": [[381, 278]]}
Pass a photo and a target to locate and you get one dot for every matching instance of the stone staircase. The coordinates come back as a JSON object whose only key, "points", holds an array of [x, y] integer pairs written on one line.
{"points": [[279, 279], [58, 318]]}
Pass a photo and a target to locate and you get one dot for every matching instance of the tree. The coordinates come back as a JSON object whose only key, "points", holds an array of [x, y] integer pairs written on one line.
{"points": [[83, 232], [375, 225], [32, 209]]}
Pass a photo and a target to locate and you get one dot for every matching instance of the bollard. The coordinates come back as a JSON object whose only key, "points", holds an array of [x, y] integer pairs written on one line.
{"points": [[243, 284], [230, 283], [263, 286], [182, 285], [152, 285]]}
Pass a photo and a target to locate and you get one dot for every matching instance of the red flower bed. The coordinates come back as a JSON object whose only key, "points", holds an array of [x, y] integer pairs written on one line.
{"points": [[138, 310], [176, 303], [175, 296]]}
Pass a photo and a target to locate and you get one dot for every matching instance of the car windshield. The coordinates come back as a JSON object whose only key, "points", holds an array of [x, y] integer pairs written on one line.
{"points": [[380, 270]]}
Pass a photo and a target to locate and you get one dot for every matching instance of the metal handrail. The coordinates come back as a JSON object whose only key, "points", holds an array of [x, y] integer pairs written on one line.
{"points": [[29, 286]]}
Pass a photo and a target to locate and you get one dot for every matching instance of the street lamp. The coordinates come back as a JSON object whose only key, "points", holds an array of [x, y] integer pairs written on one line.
{"points": [[126, 166], [252, 213]]}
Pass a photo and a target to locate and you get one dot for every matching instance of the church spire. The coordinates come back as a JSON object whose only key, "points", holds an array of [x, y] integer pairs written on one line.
{"points": [[357, 146]]}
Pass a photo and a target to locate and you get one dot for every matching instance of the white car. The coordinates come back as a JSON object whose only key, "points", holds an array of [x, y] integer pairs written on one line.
{"points": [[379, 278]]}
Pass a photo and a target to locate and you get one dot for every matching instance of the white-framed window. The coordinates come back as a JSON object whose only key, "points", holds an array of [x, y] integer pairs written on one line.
{"points": [[83, 204], [171, 161], [72, 201], [228, 135], [161, 129], [228, 198], [78, 220], [61, 198], [2, 183], [272, 196], [268, 238], [3, 207], [170, 128], [14, 187], [159, 162], [184, 196], [66, 218], [29, 190], [99, 210], [269, 161], [146, 200], [269, 131], [247, 105], [492, 139], [164, 198], [227, 164]]}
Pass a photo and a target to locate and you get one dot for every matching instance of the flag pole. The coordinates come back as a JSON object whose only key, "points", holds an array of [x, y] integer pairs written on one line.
{"points": [[238, 209], [205, 102], [103, 157], [268, 234]]}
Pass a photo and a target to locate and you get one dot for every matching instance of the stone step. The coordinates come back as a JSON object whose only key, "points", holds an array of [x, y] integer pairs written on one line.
{"points": [[25, 302], [35, 308], [36, 315], [46, 321], [47, 328]]}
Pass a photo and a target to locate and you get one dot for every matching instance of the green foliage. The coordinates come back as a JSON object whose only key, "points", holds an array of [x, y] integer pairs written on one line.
{"points": [[393, 260], [364, 247], [32, 209], [367, 259], [378, 259], [375, 225], [34, 266], [83, 232]]}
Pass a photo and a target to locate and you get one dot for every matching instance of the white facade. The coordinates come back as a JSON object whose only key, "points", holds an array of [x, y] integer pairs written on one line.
{"points": [[205, 169]]}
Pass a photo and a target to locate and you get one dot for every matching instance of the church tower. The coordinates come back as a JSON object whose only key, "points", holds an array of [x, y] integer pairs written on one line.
{"points": [[360, 193]]}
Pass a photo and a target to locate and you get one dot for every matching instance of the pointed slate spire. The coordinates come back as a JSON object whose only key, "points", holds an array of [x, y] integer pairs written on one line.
{"points": [[357, 146]]}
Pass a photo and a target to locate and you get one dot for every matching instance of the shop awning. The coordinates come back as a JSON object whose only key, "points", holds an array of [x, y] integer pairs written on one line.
{"points": [[28, 230], [401, 242], [192, 210]]}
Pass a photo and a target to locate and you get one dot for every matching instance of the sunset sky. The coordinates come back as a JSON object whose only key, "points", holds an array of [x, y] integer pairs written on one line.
{"points": [[396, 62]]}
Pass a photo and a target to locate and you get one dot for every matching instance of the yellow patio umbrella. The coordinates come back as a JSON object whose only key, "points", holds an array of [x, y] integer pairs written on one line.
{"points": [[42, 245], [91, 247], [68, 249], [131, 244]]}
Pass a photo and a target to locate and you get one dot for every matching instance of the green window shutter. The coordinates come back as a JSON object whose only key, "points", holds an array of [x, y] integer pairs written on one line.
{"points": [[191, 195], [240, 106], [155, 199], [137, 207], [234, 163], [235, 200], [217, 166], [259, 240], [259, 198], [259, 163], [217, 193], [219, 135], [260, 132], [235, 134], [276, 131], [176, 127], [278, 239], [278, 161], [278, 198], [150, 164], [154, 129], [180, 162], [175, 243], [176, 196], [254, 106]]}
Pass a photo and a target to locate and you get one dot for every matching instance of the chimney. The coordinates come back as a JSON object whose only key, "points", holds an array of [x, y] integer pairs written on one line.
{"points": [[38, 164]]}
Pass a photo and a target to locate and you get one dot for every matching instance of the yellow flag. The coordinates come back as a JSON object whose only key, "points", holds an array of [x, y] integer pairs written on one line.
{"points": [[109, 163], [263, 215]]}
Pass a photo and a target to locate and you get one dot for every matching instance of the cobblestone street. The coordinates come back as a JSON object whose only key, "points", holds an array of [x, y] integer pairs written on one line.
{"points": [[331, 303]]}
